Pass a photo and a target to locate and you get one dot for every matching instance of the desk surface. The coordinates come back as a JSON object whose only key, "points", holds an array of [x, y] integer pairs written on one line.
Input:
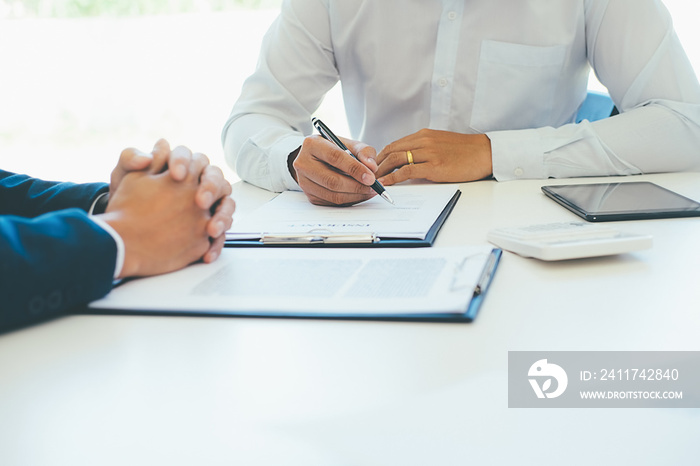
{"points": [[180, 391]]}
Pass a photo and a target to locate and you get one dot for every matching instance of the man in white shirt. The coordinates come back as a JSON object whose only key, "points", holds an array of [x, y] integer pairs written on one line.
{"points": [[455, 91]]}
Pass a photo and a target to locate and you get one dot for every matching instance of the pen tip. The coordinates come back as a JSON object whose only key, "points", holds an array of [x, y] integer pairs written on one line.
{"points": [[386, 196]]}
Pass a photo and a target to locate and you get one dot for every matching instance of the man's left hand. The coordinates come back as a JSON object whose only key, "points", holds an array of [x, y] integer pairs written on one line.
{"points": [[440, 156]]}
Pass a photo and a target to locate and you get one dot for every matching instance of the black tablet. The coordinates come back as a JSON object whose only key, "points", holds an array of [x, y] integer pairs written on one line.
{"points": [[637, 200]]}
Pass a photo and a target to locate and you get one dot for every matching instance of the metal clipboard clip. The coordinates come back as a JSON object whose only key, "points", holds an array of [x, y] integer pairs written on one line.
{"points": [[462, 279], [318, 237]]}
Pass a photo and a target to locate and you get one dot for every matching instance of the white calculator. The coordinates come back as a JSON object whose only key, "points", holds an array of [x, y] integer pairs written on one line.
{"points": [[567, 240]]}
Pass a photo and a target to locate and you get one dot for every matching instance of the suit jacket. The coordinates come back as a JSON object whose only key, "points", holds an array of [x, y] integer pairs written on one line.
{"points": [[52, 256]]}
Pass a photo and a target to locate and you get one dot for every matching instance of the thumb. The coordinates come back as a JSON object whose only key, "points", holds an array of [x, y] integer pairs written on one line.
{"points": [[135, 160], [130, 160]]}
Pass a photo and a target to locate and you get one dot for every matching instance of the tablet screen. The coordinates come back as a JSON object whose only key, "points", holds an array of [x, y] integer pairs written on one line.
{"points": [[622, 201]]}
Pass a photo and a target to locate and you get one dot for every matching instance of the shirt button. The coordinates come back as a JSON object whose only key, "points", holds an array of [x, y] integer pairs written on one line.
{"points": [[518, 172], [452, 15], [442, 82]]}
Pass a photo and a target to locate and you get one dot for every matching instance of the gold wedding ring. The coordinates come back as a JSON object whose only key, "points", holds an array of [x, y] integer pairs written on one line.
{"points": [[409, 156]]}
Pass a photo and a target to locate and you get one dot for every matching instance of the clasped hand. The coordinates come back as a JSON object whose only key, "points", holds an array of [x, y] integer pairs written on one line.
{"points": [[171, 208]]}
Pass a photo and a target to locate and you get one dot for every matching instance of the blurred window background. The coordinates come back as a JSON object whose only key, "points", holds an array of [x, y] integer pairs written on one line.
{"points": [[82, 79]]}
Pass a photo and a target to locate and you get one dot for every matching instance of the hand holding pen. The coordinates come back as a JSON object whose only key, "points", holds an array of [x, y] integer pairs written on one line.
{"points": [[329, 176], [328, 135]]}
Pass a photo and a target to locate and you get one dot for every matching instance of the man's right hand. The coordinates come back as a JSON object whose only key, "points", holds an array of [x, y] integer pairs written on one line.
{"points": [[329, 176]]}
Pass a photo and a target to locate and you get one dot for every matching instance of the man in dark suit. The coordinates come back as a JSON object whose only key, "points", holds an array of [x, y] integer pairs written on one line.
{"points": [[62, 244]]}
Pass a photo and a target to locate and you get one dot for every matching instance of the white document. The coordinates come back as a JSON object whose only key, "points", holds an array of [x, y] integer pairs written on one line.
{"points": [[323, 281], [416, 209]]}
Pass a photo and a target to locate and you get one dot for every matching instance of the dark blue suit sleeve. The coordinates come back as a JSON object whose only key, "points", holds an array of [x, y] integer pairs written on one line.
{"points": [[24, 196], [53, 262]]}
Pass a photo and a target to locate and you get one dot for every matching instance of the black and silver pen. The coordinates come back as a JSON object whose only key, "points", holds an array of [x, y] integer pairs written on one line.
{"points": [[328, 134]]}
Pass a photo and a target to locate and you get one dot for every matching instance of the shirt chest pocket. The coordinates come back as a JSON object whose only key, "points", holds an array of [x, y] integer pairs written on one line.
{"points": [[516, 86]]}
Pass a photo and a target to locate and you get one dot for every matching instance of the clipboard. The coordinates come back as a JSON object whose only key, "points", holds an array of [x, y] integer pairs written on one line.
{"points": [[169, 295], [325, 238]]}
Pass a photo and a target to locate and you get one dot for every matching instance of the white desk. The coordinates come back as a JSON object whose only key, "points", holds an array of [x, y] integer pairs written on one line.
{"points": [[112, 390]]}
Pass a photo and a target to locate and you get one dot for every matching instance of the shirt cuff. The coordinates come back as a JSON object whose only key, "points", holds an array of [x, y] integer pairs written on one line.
{"points": [[117, 239], [101, 199], [279, 169], [516, 155]]}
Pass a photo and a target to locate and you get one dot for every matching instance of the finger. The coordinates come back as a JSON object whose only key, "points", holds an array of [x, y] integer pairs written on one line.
{"points": [[407, 172], [214, 250], [341, 161], [322, 163], [129, 160], [132, 159], [410, 142], [394, 160], [368, 160], [161, 153], [320, 195], [332, 181], [381, 156], [367, 154], [212, 187], [198, 164], [222, 219], [179, 163]]}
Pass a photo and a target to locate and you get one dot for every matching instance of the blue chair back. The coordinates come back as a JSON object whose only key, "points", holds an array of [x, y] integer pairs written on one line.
{"points": [[596, 107]]}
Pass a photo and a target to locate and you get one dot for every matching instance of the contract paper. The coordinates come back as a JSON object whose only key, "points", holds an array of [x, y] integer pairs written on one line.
{"points": [[323, 281], [416, 209]]}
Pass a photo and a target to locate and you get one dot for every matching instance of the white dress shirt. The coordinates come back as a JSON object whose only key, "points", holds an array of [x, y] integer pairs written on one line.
{"points": [[119, 263], [514, 70]]}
